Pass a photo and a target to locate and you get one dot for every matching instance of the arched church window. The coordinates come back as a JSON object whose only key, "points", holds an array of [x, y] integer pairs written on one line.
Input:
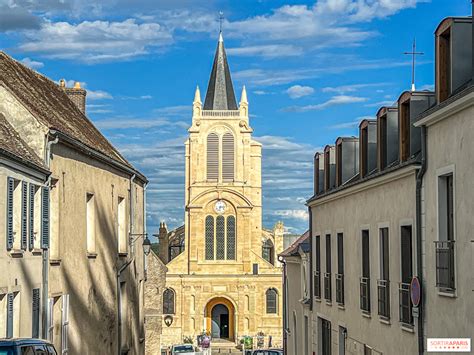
{"points": [[220, 238], [228, 157], [168, 301], [231, 238], [209, 238], [212, 156], [268, 251], [271, 298]]}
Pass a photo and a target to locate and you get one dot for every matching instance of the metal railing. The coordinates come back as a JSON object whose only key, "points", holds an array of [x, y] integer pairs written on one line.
{"points": [[445, 265], [365, 294], [327, 286], [405, 305], [221, 113], [383, 291], [317, 284], [340, 289]]}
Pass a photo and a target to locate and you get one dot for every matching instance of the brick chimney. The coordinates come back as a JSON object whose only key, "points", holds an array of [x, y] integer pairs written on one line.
{"points": [[76, 94], [163, 243]]}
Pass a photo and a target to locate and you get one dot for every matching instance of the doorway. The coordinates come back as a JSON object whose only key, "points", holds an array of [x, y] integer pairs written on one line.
{"points": [[220, 322]]}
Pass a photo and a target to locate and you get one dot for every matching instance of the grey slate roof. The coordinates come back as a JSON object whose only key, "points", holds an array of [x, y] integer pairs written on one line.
{"points": [[220, 91], [52, 107], [11, 144]]}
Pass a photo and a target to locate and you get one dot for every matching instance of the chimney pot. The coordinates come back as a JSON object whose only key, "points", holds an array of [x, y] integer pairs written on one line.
{"points": [[76, 94]]}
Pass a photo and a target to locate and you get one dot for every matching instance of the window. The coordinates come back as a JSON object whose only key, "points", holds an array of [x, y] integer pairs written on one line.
{"points": [[10, 315], [255, 269], [212, 156], [121, 226], [339, 162], [65, 324], [209, 238], [228, 157], [445, 276], [365, 279], [340, 269], [407, 273], [90, 223], [325, 327], [222, 236], [327, 167], [268, 251], [383, 283], [271, 296], [168, 301], [317, 273], [405, 130], [231, 238], [443, 63], [35, 313], [327, 275], [364, 150]]}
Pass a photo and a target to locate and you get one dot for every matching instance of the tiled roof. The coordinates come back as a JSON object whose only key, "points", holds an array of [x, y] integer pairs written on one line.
{"points": [[11, 143], [220, 91], [293, 248], [52, 107]]}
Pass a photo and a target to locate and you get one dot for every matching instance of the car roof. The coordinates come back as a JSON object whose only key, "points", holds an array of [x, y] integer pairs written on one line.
{"points": [[23, 341]]}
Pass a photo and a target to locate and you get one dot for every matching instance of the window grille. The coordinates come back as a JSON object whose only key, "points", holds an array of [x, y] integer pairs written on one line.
{"points": [[405, 305], [209, 238], [383, 291]]}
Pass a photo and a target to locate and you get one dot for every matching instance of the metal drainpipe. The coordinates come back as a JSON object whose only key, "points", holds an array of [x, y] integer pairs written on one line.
{"points": [[45, 257], [419, 261], [310, 273]]}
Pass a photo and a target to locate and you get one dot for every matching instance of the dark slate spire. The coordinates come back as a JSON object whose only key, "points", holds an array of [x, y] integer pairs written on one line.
{"points": [[220, 92]]}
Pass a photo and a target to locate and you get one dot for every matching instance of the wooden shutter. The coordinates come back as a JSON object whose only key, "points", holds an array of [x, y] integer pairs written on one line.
{"points": [[212, 156], [45, 212], [32, 217], [228, 157], [10, 189], [10, 299], [35, 313], [231, 238], [209, 238], [24, 215], [220, 238]]}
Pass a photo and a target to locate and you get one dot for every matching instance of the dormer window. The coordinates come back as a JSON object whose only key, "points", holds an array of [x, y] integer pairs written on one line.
{"points": [[443, 64], [404, 112], [329, 168], [368, 147], [387, 136], [347, 159]]}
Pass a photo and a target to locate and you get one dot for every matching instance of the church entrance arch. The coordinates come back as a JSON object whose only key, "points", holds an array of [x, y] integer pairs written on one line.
{"points": [[220, 318]]}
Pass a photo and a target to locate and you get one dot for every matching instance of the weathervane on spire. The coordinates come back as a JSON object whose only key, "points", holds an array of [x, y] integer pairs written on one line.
{"points": [[221, 19], [413, 53]]}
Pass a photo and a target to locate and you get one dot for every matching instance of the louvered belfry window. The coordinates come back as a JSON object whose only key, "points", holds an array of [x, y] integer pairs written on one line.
{"points": [[212, 156], [231, 238], [209, 238], [228, 157], [220, 238]]}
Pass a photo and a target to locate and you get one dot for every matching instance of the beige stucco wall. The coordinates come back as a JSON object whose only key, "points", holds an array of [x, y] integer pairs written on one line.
{"points": [[89, 280], [385, 201], [22, 271], [450, 145]]}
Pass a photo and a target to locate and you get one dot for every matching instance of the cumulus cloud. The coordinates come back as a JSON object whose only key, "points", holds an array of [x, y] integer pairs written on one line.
{"points": [[268, 51], [351, 88], [33, 64], [98, 95], [296, 214], [297, 91], [13, 17], [333, 101]]}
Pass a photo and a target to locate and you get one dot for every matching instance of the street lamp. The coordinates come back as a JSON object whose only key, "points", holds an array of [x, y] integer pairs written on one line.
{"points": [[146, 245]]}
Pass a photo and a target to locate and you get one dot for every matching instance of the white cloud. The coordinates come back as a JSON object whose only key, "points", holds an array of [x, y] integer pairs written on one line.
{"points": [[98, 95], [333, 101], [381, 103], [351, 88], [96, 41], [268, 51], [296, 214], [297, 91], [351, 124], [126, 123], [33, 64]]}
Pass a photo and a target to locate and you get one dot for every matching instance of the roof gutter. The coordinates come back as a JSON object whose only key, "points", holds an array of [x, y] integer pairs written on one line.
{"points": [[97, 155]]}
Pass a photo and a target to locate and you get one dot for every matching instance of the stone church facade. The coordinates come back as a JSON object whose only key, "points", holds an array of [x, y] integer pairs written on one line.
{"points": [[223, 277]]}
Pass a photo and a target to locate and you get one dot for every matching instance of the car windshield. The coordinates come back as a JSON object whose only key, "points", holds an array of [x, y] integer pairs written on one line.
{"points": [[6, 350], [183, 349]]}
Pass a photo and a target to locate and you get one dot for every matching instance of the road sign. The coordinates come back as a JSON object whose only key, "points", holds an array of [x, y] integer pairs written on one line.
{"points": [[415, 291]]}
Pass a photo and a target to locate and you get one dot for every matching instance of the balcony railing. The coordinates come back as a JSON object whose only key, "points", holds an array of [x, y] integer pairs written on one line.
{"points": [[405, 306], [317, 284], [365, 294], [340, 289], [327, 286], [383, 290], [445, 265]]}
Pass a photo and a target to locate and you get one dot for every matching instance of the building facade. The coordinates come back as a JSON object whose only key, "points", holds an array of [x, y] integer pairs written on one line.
{"points": [[391, 256], [94, 281], [23, 182], [223, 277]]}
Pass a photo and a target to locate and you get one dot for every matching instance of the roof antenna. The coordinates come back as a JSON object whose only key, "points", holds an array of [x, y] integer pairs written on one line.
{"points": [[413, 53]]}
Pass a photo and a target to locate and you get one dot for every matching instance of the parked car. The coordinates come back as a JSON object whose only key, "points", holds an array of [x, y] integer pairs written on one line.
{"points": [[180, 349], [267, 352], [25, 346]]}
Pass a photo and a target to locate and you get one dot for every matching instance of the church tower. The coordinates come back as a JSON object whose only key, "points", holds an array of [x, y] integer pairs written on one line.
{"points": [[223, 277]]}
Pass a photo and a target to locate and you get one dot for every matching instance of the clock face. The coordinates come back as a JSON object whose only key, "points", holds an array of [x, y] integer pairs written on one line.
{"points": [[220, 206]]}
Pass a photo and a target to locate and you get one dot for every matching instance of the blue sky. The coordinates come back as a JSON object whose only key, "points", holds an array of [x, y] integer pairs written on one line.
{"points": [[313, 70]]}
